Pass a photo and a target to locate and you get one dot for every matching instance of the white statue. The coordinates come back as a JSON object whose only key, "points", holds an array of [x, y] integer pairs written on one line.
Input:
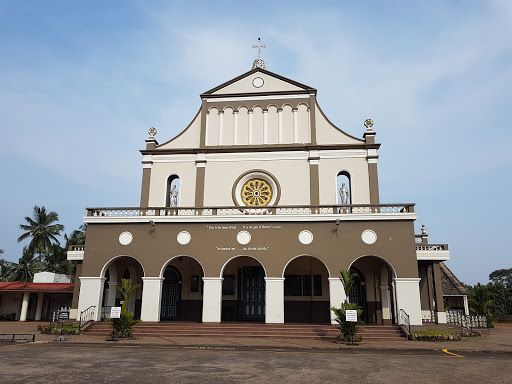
{"points": [[174, 196], [344, 194]]}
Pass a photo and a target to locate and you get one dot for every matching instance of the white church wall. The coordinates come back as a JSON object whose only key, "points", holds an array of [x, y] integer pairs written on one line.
{"points": [[160, 172], [330, 164], [189, 138], [327, 133], [290, 170], [304, 129]]}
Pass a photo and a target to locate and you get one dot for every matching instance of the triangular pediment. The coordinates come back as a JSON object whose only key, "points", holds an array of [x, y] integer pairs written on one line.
{"points": [[258, 81]]}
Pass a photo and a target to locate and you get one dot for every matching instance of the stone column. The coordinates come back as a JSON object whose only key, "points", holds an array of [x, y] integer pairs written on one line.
{"points": [[24, 306], [39, 306], [274, 300], [151, 298], [111, 294], [91, 294], [408, 298], [385, 300], [438, 289], [212, 299], [336, 295]]}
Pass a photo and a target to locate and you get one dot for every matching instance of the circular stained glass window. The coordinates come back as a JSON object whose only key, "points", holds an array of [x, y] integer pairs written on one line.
{"points": [[256, 192]]}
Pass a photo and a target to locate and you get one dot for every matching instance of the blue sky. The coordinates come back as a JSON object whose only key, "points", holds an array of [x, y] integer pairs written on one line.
{"points": [[81, 81]]}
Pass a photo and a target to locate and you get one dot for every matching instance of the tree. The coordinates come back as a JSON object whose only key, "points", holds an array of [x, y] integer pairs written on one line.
{"points": [[502, 276], [43, 229], [5, 268], [348, 279], [77, 237], [56, 261], [480, 301], [122, 327], [25, 268]]}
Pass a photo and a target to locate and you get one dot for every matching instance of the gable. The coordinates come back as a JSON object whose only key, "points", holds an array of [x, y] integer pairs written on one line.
{"points": [[256, 81]]}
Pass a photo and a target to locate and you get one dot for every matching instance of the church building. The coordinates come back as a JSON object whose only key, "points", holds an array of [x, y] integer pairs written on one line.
{"points": [[250, 213]]}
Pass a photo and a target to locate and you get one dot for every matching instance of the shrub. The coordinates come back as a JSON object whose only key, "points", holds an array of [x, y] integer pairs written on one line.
{"points": [[122, 327], [348, 329]]}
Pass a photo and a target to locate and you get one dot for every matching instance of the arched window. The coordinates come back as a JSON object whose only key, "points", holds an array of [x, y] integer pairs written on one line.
{"points": [[343, 188], [173, 191]]}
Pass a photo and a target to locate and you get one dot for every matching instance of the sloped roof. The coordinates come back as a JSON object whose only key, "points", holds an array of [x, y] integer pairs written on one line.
{"points": [[305, 87], [21, 286], [451, 285]]}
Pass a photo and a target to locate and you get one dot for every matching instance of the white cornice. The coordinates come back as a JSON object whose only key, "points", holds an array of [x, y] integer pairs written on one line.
{"points": [[433, 255], [263, 97], [250, 218]]}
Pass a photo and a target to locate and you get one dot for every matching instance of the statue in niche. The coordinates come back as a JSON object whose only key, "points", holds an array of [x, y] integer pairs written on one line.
{"points": [[174, 196], [344, 198]]}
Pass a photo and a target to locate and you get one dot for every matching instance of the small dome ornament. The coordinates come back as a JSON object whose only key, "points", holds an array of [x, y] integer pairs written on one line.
{"points": [[368, 123], [259, 63], [152, 132]]}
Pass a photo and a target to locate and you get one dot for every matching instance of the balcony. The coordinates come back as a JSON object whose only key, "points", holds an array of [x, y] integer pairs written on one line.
{"points": [[76, 253], [354, 212], [432, 252]]}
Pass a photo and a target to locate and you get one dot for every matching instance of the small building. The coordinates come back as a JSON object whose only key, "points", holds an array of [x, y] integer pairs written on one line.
{"points": [[250, 213], [36, 300]]}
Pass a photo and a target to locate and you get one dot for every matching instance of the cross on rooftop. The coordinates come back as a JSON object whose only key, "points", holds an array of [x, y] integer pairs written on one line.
{"points": [[259, 45]]}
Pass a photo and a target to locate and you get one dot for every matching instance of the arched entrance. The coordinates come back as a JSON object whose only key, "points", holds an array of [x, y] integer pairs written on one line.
{"points": [[182, 290], [373, 290], [243, 290], [306, 291], [122, 267]]}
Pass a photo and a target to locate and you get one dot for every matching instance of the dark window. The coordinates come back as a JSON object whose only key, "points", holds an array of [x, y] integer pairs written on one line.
{"points": [[317, 285], [228, 285], [194, 284], [303, 285], [293, 285], [306, 285]]}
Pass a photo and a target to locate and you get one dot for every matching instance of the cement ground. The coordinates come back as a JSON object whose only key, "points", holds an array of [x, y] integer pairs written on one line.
{"points": [[123, 363]]}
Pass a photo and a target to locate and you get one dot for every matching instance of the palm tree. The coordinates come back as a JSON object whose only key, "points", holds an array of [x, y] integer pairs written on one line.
{"points": [[42, 228], [348, 279], [25, 268], [56, 261], [5, 268], [127, 288], [77, 237], [481, 303]]}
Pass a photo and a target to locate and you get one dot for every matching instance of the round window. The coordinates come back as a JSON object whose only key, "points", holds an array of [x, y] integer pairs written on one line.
{"points": [[256, 192]]}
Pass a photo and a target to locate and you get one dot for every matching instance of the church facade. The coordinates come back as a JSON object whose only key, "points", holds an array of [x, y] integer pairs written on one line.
{"points": [[250, 213]]}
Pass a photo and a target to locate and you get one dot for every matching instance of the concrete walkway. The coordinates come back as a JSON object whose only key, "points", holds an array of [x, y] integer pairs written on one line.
{"points": [[498, 339]]}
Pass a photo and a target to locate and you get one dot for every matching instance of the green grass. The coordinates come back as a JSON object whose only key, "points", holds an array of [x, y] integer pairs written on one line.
{"points": [[435, 332]]}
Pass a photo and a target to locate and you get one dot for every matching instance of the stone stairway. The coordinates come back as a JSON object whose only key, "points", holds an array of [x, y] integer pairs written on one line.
{"points": [[248, 330]]}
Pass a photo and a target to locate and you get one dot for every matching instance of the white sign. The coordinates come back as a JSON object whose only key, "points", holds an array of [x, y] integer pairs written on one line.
{"points": [[115, 312], [351, 315]]}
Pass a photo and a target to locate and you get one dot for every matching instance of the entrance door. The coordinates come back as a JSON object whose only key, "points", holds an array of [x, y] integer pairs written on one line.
{"points": [[171, 294], [252, 293]]}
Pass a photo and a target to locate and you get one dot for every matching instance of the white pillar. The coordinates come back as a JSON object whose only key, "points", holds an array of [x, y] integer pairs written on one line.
{"points": [[151, 298], [212, 299], [336, 295], [466, 305], [274, 300], [24, 306], [221, 126], [39, 306], [441, 317], [385, 300], [408, 298], [280, 126], [235, 129], [250, 126], [111, 294], [295, 126], [91, 292], [206, 128], [265, 126]]}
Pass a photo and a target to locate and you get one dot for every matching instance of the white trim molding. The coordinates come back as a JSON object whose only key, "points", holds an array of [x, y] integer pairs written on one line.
{"points": [[433, 255]]}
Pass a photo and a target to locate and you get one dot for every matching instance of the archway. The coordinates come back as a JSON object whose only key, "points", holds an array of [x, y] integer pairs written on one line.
{"points": [[182, 290], [376, 290], [306, 291], [243, 290], [122, 267]]}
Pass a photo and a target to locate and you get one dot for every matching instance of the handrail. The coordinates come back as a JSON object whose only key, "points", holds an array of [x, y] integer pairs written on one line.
{"points": [[87, 316], [405, 321], [238, 210]]}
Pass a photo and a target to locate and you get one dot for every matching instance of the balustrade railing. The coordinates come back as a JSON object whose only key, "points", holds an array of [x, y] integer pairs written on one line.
{"points": [[238, 211], [76, 248], [431, 247], [86, 316], [405, 322], [466, 321]]}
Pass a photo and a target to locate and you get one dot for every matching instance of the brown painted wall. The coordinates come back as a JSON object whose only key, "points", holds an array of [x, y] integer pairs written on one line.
{"points": [[273, 244]]}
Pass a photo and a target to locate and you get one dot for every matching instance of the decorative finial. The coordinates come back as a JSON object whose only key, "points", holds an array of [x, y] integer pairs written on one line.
{"points": [[368, 123], [258, 62], [423, 229], [152, 132]]}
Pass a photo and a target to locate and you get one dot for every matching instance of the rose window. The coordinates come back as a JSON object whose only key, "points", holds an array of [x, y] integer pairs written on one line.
{"points": [[256, 193]]}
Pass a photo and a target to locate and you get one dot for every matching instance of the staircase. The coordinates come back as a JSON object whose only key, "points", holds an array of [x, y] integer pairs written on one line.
{"points": [[249, 330]]}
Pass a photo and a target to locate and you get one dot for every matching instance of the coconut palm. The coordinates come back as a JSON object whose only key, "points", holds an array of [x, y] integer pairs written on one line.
{"points": [[42, 228], [127, 288], [56, 261], [481, 303], [348, 279], [25, 268], [5, 268], [77, 237]]}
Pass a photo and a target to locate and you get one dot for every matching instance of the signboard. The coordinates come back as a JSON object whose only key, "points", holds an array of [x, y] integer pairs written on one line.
{"points": [[351, 315], [64, 315], [115, 312]]}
